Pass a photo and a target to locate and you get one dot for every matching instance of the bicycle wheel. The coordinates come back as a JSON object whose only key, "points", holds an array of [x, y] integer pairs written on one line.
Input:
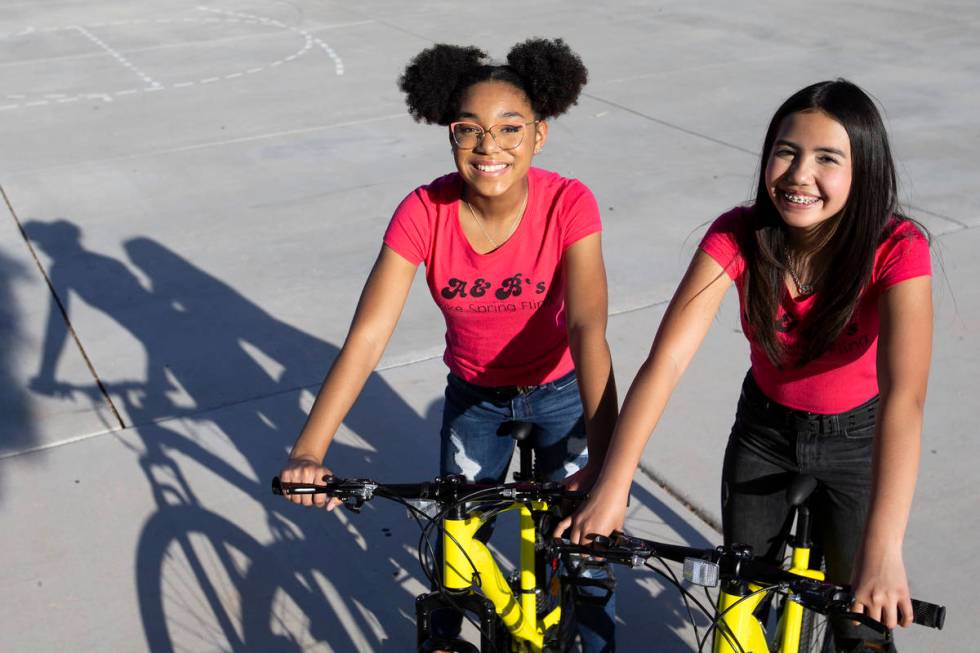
{"points": [[187, 565], [204, 584], [814, 628], [561, 637], [551, 591], [815, 636]]}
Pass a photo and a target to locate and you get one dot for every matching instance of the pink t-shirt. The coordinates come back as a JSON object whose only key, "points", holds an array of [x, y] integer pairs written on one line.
{"points": [[505, 310], [845, 376]]}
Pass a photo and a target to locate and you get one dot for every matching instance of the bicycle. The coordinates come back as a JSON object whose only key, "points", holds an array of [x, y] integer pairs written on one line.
{"points": [[525, 613], [748, 584]]}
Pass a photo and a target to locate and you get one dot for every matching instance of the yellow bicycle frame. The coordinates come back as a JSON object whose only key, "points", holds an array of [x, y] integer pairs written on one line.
{"points": [[468, 564], [743, 627]]}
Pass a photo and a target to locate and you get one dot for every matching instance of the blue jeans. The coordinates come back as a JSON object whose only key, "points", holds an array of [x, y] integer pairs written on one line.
{"points": [[476, 443], [769, 444]]}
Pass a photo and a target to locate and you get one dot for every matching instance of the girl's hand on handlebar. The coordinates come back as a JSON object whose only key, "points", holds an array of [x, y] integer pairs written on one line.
{"points": [[603, 513], [881, 589], [306, 470]]}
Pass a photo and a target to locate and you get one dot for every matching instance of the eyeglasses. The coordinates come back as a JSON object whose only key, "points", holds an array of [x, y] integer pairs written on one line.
{"points": [[507, 136]]}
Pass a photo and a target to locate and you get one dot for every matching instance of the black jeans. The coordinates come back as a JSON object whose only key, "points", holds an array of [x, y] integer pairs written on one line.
{"points": [[769, 444]]}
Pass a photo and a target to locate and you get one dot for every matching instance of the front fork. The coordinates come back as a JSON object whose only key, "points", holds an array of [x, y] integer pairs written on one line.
{"points": [[468, 564], [791, 622], [739, 629], [742, 626]]}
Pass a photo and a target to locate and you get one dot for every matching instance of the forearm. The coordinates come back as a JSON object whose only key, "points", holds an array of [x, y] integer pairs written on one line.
{"points": [[597, 386], [904, 351], [374, 321], [895, 469], [56, 333], [644, 405], [681, 332], [344, 382]]}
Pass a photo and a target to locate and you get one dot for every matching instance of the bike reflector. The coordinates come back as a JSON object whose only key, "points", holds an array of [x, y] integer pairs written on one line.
{"points": [[701, 572]]}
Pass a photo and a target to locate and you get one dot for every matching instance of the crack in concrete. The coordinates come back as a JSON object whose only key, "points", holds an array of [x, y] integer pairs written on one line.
{"points": [[670, 125], [679, 496], [61, 308], [959, 223]]}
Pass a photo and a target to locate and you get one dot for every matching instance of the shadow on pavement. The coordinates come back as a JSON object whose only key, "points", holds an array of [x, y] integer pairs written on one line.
{"points": [[221, 393], [204, 580], [19, 432]]}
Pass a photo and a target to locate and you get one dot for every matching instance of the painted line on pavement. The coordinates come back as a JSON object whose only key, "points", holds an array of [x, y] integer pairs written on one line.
{"points": [[151, 85], [115, 55]]}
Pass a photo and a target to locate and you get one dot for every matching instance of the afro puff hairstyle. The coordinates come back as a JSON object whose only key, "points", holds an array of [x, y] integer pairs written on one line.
{"points": [[547, 71]]}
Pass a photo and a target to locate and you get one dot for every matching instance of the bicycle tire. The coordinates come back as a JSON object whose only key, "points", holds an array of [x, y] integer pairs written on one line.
{"points": [[174, 536], [562, 637], [200, 588], [815, 636]]}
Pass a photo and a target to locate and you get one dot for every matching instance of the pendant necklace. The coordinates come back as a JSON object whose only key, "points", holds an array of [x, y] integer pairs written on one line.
{"points": [[513, 224], [801, 288]]}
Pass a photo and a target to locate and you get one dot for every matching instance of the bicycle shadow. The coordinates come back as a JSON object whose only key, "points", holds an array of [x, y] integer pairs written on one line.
{"points": [[222, 393], [18, 432], [299, 579]]}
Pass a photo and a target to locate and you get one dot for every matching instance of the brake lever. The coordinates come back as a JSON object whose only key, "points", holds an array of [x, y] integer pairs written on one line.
{"points": [[864, 619], [353, 502], [353, 492], [837, 602], [602, 547]]}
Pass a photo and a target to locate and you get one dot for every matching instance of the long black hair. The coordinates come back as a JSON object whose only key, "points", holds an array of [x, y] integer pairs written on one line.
{"points": [[849, 239], [546, 71]]}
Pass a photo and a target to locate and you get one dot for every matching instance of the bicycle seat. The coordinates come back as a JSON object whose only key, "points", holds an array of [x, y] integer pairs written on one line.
{"points": [[521, 431], [800, 489]]}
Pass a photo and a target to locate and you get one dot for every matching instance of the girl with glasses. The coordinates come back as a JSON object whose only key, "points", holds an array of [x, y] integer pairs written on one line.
{"points": [[513, 260], [834, 290]]}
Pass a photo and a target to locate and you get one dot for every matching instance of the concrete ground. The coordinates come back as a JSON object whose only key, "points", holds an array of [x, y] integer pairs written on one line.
{"points": [[193, 195]]}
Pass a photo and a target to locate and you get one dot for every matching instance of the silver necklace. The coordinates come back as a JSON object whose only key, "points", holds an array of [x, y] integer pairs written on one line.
{"points": [[801, 288], [513, 224]]}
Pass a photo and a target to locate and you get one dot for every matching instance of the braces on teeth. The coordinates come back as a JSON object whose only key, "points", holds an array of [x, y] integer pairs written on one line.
{"points": [[798, 199]]}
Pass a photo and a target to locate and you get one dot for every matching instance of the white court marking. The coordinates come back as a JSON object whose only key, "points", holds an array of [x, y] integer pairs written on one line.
{"points": [[21, 100], [115, 55]]}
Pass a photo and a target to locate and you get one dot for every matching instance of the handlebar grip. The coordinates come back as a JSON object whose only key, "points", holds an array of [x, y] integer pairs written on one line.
{"points": [[278, 487], [928, 614]]}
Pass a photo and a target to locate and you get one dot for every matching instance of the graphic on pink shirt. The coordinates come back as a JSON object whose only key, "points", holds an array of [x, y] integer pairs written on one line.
{"points": [[509, 287], [504, 310], [845, 376]]}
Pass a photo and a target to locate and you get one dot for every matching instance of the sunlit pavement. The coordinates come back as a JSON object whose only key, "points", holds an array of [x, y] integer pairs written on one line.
{"points": [[201, 190]]}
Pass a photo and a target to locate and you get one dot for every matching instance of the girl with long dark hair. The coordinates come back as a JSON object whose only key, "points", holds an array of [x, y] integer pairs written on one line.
{"points": [[835, 293], [513, 260]]}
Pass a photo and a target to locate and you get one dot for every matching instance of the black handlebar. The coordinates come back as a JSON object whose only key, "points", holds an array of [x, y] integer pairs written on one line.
{"points": [[445, 490], [731, 563], [736, 563], [928, 614]]}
